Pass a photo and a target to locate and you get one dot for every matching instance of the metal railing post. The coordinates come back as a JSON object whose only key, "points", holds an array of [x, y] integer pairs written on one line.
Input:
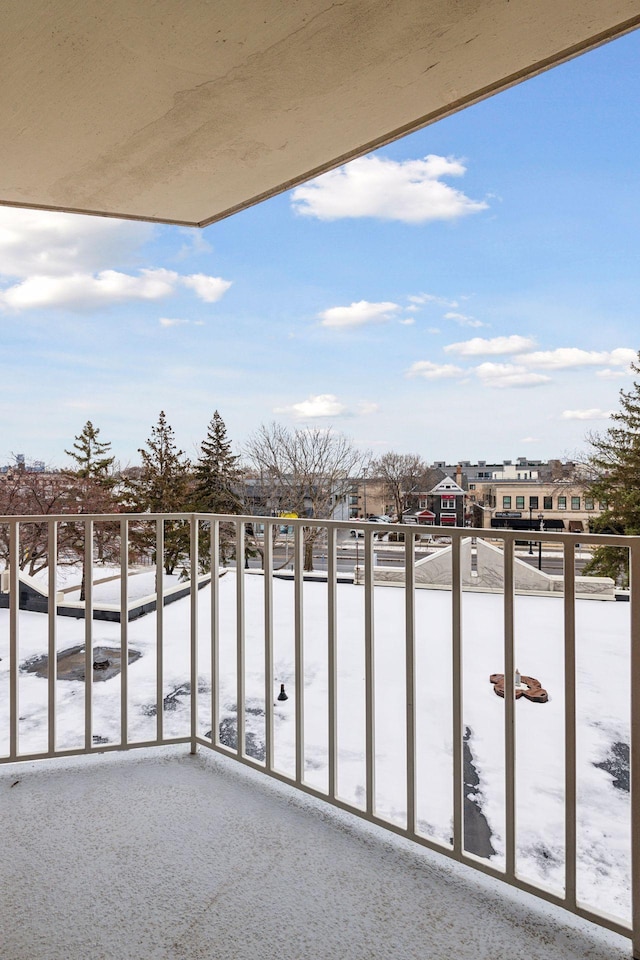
{"points": [[88, 634], [410, 676], [570, 724], [240, 640], [509, 714], [124, 630], [193, 595], [160, 629], [456, 652], [14, 612], [634, 576], [52, 657]]}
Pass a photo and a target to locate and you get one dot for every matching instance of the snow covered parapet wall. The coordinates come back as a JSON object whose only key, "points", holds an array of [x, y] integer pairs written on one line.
{"points": [[482, 566], [35, 598]]}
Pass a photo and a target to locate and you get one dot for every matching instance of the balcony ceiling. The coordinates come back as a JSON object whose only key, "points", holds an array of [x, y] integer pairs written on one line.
{"points": [[188, 112]]}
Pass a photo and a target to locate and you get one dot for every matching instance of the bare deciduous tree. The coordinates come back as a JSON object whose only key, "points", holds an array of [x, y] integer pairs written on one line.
{"points": [[306, 471], [405, 475]]}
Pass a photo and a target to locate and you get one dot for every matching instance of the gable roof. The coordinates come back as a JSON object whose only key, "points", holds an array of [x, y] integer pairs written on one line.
{"points": [[447, 486]]}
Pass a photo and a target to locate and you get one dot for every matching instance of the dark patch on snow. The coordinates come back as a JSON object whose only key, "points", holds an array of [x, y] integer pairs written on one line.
{"points": [[228, 737], [617, 764], [70, 663], [171, 702], [174, 699], [477, 832]]}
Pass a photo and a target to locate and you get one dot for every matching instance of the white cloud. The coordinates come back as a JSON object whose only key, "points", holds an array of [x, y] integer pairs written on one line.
{"points": [[209, 289], [503, 375], [322, 405], [433, 330], [366, 408], [84, 290], [609, 374], [407, 321], [358, 314], [496, 346], [410, 190], [434, 371], [171, 321], [326, 405], [43, 243], [464, 320], [529, 440], [565, 357], [593, 414], [65, 260], [422, 298]]}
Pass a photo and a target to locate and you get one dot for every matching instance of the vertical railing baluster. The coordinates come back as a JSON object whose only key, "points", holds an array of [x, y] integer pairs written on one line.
{"points": [[456, 650], [215, 629], [160, 629], [268, 643], [193, 596], [52, 610], [634, 590], [240, 635], [410, 675], [332, 663], [88, 634], [570, 724], [14, 610], [298, 562], [124, 631], [369, 676], [509, 711]]}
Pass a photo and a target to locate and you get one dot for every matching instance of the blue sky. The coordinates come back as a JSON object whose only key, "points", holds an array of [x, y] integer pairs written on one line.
{"points": [[481, 303]]}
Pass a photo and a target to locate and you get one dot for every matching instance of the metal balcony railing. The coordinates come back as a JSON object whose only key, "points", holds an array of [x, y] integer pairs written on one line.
{"points": [[211, 537]]}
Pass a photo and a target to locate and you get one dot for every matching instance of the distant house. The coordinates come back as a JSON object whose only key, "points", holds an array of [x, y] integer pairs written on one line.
{"points": [[443, 505], [446, 501]]}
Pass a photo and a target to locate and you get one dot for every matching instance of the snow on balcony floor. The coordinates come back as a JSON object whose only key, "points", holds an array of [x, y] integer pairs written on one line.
{"points": [[158, 854]]}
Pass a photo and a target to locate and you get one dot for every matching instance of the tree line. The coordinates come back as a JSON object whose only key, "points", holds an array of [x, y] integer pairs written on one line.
{"points": [[304, 472]]}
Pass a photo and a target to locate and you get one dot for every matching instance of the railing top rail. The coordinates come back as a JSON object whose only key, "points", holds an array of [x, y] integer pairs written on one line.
{"points": [[486, 533]]}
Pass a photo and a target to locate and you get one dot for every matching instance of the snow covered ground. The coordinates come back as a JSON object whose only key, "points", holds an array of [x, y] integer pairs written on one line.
{"points": [[603, 697]]}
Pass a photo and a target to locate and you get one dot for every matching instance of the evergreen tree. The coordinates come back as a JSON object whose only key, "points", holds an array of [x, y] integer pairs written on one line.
{"points": [[217, 478], [216, 473], [91, 456], [163, 487], [616, 466], [91, 491]]}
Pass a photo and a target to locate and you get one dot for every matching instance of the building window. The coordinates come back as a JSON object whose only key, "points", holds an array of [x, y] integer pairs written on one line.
{"points": [[506, 503], [519, 503], [547, 503], [588, 503], [562, 503], [448, 503], [472, 486], [575, 503], [422, 503], [533, 503], [603, 505]]}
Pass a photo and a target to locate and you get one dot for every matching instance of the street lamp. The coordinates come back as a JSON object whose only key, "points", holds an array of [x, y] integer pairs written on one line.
{"points": [[541, 525], [530, 528], [364, 490]]}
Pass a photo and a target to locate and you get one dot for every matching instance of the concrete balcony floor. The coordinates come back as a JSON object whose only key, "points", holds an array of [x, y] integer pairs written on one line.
{"points": [[158, 854]]}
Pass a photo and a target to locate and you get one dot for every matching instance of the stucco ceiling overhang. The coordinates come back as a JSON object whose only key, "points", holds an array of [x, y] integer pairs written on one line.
{"points": [[188, 111]]}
